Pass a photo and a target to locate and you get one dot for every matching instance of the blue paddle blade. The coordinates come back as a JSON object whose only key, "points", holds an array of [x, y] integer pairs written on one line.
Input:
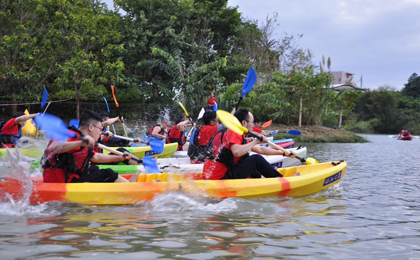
{"points": [[157, 146], [294, 132], [150, 164], [249, 81], [44, 98], [74, 122], [53, 127], [215, 106], [274, 132], [107, 107]]}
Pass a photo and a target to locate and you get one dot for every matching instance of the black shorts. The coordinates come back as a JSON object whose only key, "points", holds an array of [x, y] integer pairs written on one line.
{"points": [[94, 174]]}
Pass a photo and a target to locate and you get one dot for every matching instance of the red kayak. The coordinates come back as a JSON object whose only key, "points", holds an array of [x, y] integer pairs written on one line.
{"points": [[405, 138]]}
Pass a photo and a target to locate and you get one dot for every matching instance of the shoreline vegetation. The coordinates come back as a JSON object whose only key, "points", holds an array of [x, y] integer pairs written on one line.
{"points": [[319, 134], [310, 134]]}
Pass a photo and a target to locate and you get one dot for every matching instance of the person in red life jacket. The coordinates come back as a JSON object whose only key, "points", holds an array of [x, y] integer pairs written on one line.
{"points": [[11, 130], [201, 137], [69, 162], [211, 101], [177, 135], [406, 133], [230, 151], [160, 131], [107, 137], [257, 127]]}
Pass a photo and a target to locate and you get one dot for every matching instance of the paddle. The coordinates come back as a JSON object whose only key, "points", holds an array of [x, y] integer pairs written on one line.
{"points": [[116, 104], [56, 129], [215, 106], [200, 115], [248, 84], [267, 124], [186, 113], [293, 132], [74, 122], [109, 112], [156, 145], [232, 123]]}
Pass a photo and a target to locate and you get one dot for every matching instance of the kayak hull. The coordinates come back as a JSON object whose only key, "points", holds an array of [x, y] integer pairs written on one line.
{"points": [[141, 151], [405, 138], [183, 165], [299, 180]]}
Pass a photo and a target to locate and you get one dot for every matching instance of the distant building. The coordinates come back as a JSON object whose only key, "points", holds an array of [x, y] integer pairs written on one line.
{"points": [[343, 77], [344, 81]]}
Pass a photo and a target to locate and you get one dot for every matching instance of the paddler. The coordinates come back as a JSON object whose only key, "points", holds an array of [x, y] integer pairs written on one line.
{"points": [[69, 162], [232, 160], [12, 129], [159, 131]]}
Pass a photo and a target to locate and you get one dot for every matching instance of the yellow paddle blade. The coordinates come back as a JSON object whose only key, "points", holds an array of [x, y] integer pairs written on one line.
{"points": [[186, 113], [310, 161], [231, 122]]}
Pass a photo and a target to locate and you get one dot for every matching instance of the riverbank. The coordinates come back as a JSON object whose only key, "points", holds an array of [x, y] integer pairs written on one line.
{"points": [[318, 134]]}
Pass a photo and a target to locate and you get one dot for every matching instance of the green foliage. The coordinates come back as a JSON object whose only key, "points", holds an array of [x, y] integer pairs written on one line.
{"points": [[412, 88]]}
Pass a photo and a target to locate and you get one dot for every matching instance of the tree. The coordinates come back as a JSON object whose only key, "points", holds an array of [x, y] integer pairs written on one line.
{"points": [[412, 87]]}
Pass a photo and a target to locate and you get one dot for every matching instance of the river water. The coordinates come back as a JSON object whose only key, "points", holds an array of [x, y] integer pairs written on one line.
{"points": [[373, 213]]}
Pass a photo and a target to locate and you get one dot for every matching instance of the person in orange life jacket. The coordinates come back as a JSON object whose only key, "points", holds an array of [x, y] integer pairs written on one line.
{"points": [[176, 134], [70, 161], [159, 131], [257, 127], [231, 152], [11, 130], [210, 102]]}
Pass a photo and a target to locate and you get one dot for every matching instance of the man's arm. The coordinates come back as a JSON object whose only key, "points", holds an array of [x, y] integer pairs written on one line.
{"points": [[110, 121], [23, 118], [239, 150], [106, 158], [155, 132]]}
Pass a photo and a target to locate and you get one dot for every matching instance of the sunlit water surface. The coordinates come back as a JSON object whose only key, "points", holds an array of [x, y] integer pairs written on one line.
{"points": [[373, 213]]}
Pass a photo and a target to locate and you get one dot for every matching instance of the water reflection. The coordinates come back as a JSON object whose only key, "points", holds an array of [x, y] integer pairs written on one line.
{"points": [[372, 214]]}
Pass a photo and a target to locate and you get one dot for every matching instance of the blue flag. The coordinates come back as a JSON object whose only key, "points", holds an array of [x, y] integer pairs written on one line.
{"points": [[44, 97]]}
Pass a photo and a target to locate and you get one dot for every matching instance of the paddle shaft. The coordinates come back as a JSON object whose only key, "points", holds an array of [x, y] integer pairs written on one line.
{"points": [[130, 139], [275, 145], [239, 102], [117, 152]]}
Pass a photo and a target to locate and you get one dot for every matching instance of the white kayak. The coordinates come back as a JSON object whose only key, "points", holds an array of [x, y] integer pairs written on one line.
{"points": [[183, 154], [177, 165]]}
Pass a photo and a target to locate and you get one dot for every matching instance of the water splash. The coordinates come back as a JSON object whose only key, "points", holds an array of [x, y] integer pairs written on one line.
{"points": [[17, 166]]}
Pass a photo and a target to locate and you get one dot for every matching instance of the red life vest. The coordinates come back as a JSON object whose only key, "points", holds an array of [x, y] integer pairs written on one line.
{"points": [[176, 139], [153, 127], [66, 166], [221, 153]]}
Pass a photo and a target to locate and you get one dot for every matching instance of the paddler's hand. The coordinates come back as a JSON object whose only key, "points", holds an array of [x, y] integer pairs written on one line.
{"points": [[137, 140], [88, 141], [109, 134], [127, 156], [121, 119], [264, 139]]}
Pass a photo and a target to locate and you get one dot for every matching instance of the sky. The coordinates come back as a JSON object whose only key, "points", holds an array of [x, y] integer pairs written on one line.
{"points": [[378, 40]]}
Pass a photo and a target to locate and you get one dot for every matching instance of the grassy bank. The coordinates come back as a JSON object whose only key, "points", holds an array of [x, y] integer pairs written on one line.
{"points": [[318, 134]]}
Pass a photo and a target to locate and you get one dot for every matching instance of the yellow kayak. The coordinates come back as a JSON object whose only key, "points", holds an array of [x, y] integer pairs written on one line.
{"points": [[299, 180], [29, 152], [140, 152]]}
